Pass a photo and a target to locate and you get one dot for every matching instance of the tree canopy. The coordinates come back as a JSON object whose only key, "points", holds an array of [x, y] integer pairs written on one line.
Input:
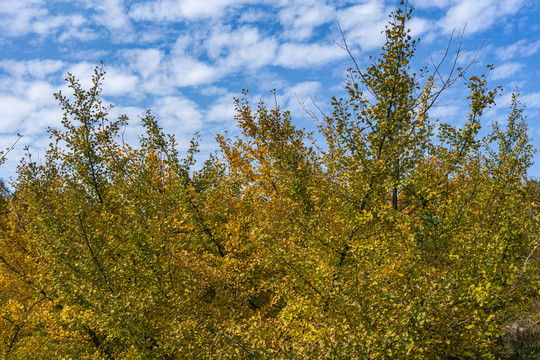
{"points": [[398, 236]]}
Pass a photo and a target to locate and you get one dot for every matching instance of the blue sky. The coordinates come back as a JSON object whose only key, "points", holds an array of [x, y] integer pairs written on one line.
{"points": [[187, 59]]}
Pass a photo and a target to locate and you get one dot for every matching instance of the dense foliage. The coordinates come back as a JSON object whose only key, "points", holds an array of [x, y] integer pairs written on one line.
{"points": [[398, 237]]}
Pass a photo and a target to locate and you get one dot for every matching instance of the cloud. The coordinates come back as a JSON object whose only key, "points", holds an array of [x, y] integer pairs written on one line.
{"points": [[79, 21], [83, 71], [445, 112], [505, 71], [505, 100], [13, 110], [241, 48], [223, 109], [184, 67], [179, 10], [531, 100], [265, 80], [35, 68], [118, 82], [478, 15], [363, 24], [17, 17], [23, 17], [146, 62], [419, 26], [191, 72], [27, 104], [521, 48], [427, 4], [214, 91], [252, 15], [131, 133], [211, 49], [302, 97], [151, 66], [178, 114], [301, 17], [40, 92], [301, 92], [112, 14], [78, 34], [29, 108], [298, 55]]}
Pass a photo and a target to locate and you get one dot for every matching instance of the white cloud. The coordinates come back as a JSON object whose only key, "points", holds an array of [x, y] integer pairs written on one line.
{"points": [[521, 48], [112, 14], [14, 7], [39, 120], [214, 91], [29, 109], [151, 66], [479, 15], [505, 71], [295, 56], [35, 68], [191, 72], [133, 113], [531, 100], [13, 110], [22, 17], [222, 40], [419, 26], [222, 110], [467, 56], [250, 16], [117, 82], [129, 134], [178, 114], [178, 10], [185, 44], [363, 24], [78, 34], [83, 71], [242, 48], [509, 6], [184, 66], [224, 51], [505, 100], [88, 54], [301, 92], [444, 112], [26, 89], [301, 17], [426, 4], [302, 97], [146, 62], [196, 9], [40, 92], [223, 45], [17, 17], [476, 15]]}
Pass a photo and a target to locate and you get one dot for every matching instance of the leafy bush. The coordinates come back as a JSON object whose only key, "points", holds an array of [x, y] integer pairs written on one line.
{"points": [[393, 240]]}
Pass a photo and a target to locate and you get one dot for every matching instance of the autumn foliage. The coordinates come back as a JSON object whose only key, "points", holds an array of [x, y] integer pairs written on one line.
{"points": [[396, 236]]}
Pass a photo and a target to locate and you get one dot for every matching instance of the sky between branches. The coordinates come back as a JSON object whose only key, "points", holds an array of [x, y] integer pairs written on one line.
{"points": [[187, 59]]}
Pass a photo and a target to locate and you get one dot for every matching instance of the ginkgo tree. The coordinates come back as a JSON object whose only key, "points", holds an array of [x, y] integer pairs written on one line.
{"points": [[397, 236], [393, 240]]}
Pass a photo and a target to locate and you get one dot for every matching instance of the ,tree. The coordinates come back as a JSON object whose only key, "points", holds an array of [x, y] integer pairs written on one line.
{"points": [[111, 226], [392, 243], [399, 237]]}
